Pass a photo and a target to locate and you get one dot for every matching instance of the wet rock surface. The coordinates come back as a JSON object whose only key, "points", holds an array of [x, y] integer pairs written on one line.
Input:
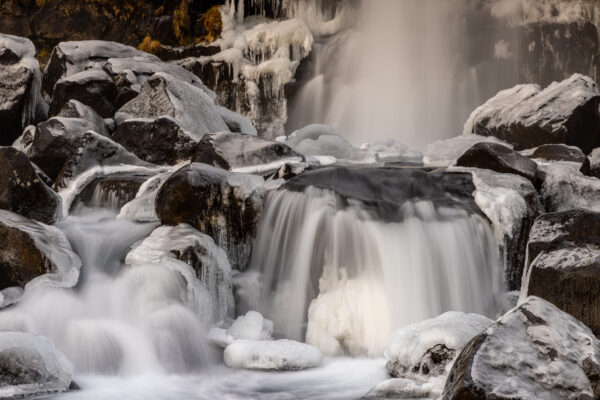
{"points": [[499, 158]]}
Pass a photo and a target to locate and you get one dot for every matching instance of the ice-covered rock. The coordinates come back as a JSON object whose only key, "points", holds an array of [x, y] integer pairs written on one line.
{"points": [[535, 351], [22, 188], [499, 158], [219, 337], [112, 191], [322, 140], [234, 150], [564, 264], [391, 151], [555, 152], [251, 326], [204, 266], [94, 88], [237, 122], [34, 254], [31, 365], [527, 116], [511, 203], [20, 85], [591, 165], [143, 207], [429, 348], [564, 188], [443, 153], [279, 355], [401, 388], [52, 142], [226, 206]]}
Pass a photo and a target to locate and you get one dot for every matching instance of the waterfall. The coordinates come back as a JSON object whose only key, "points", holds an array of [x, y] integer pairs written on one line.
{"points": [[358, 278]]}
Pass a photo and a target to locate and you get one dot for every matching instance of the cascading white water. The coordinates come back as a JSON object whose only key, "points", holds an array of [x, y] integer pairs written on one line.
{"points": [[124, 320], [358, 279]]}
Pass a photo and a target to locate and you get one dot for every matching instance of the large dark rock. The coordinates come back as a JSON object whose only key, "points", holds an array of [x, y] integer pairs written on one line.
{"points": [[51, 143], [19, 87], [564, 263], [29, 249], [159, 141], [535, 351], [556, 152], [499, 158], [223, 205], [383, 191], [526, 116], [94, 88], [23, 191], [591, 164], [235, 150]]}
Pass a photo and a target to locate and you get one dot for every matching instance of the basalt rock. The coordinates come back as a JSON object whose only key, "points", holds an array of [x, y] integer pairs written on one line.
{"points": [[591, 164], [556, 152], [23, 191], [499, 158]]}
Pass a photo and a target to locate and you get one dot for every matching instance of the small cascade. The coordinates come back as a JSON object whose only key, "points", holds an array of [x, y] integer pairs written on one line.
{"points": [[338, 276]]}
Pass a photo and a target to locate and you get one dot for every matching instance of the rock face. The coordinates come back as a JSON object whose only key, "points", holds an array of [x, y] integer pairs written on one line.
{"points": [[564, 188], [512, 204], [20, 82], [223, 205], [526, 116], [50, 144], [535, 351], [564, 264], [555, 152], [29, 249], [591, 165], [22, 189], [94, 88], [236, 150], [499, 158]]}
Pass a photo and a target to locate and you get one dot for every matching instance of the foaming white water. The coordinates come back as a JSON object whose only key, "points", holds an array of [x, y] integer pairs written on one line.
{"points": [[125, 320], [358, 279]]}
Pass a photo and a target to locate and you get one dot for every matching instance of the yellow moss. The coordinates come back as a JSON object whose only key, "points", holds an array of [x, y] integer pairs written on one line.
{"points": [[159, 11], [213, 24], [150, 46], [181, 22]]}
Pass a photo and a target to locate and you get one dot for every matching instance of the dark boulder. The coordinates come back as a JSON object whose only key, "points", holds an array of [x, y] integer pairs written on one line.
{"points": [[591, 164], [556, 152], [223, 205], [564, 263], [159, 141], [94, 88], [499, 158], [51, 143], [535, 351], [20, 101], [526, 116], [23, 191], [235, 150]]}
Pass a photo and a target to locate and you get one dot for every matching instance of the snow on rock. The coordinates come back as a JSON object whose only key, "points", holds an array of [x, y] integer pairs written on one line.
{"points": [[34, 255], [564, 187], [443, 153], [323, 140], [400, 388], [143, 207], [428, 348], [527, 116], [391, 151], [235, 151], [20, 85], [165, 95], [236, 122], [511, 203], [279, 355], [204, 266], [251, 326], [534, 352], [31, 365], [555, 152]]}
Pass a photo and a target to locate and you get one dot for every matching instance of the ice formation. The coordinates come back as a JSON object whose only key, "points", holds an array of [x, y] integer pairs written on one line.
{"points": [[142, 208], [279, 355], [251, 326], [565, 188]]}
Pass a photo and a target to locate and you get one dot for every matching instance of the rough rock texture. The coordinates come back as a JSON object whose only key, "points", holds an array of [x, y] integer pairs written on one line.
{"points": [[94, 88], [51, 143], [535, 351], [564, 264], [19, 86], [22, 189], [591, 165], [225, 206], [511, 203], [236, 150], [555, 152], [564, 187], [527, 116], [30, 249], [499, 158], [159, 141]]}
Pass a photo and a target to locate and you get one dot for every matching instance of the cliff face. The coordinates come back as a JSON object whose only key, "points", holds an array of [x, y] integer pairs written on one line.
{"points": [[48, 22]]}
